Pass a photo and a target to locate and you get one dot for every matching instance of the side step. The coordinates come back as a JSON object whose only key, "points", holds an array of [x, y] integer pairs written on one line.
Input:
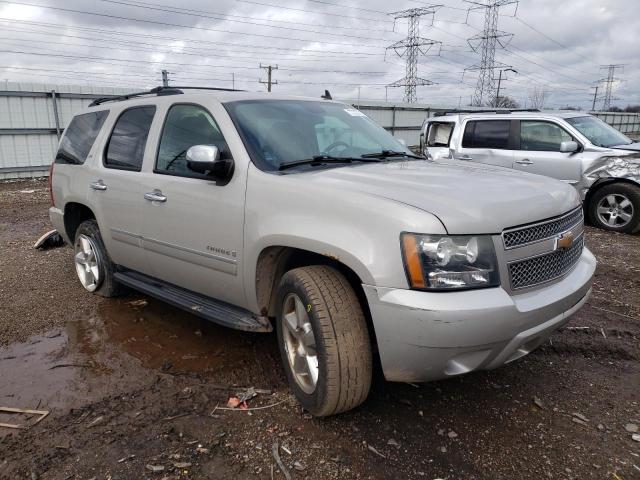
{"points": [[214, 310]]}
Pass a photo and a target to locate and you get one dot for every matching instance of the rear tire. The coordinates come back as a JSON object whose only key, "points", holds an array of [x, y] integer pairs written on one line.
{"points": [[93, 265], [616, 207], [321, 326]]}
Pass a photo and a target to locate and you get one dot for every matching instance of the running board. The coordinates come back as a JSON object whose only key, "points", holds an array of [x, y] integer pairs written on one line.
{"points": [[216, 311]]}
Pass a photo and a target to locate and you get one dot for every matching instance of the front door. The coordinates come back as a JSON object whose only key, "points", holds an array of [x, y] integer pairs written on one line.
{"points": [[539, 151], [193, 225]]}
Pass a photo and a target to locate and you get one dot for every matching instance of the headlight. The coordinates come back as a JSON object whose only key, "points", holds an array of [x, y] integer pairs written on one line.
{"points": [[441, 262]]}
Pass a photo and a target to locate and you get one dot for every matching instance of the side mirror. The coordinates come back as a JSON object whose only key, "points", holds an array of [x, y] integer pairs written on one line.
{"points": [[206, 159], [569, 147]]}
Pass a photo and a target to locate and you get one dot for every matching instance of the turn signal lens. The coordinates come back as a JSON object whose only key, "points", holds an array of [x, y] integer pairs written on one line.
{"points": [[412, 260]]}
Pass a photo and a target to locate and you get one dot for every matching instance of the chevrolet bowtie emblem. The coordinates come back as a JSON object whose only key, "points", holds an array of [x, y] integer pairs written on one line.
{"points": [[564, 241]]}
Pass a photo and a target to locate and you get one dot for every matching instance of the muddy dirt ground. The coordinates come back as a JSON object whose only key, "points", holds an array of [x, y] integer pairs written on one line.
{"points": [[134, 388]]}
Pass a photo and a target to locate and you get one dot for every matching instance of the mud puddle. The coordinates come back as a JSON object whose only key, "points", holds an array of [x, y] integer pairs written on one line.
{"points": [[121, 346]]}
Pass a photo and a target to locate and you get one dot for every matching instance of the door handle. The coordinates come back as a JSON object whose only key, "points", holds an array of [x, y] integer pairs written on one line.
{"points": [[155, 196], [98, 185], [524, 161], [465, 157]]}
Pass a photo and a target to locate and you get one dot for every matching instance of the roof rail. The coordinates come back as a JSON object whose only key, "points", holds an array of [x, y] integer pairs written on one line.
{"points": [[492, 110], [159, 91]]}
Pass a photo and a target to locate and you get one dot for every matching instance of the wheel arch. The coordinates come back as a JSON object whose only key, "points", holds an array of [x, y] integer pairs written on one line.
{"points": [[74, 214], [603, 182]]}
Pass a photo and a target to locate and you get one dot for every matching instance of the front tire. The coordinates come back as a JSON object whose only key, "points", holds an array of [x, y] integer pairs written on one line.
{"points": [[93, 265], [323, 339], [616, 207]]}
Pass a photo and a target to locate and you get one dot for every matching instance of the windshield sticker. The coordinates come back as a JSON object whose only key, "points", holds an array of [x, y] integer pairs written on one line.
{"points": [[354, 112]]}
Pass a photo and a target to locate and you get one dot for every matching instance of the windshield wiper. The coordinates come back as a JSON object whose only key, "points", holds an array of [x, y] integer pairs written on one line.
{"points": [[390, 153], [323, 160]]}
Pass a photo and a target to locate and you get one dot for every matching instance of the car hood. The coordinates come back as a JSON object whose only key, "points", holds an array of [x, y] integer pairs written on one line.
{"points": [[468, 199], [634, 147]]}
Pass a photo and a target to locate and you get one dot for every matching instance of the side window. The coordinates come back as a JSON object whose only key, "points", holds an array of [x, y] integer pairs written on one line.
{"points": [[79, 137], [487, 134], [439, 134], [542, 136], [185, 126], [125, 149]]}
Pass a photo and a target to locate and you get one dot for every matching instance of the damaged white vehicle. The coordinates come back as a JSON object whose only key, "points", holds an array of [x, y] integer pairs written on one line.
{"points": [[580, 149]]}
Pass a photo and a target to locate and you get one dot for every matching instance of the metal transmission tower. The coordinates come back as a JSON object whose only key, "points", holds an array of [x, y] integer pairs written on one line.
{"points": [[485, 42], [410, 47], [608, 84]]}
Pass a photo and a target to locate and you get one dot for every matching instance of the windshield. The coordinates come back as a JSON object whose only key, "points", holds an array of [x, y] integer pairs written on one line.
{"points": [[278, 132], [598, 132]]}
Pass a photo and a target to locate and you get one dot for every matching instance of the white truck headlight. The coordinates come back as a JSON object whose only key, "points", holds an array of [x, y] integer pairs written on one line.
{"points": [[449, 262]]}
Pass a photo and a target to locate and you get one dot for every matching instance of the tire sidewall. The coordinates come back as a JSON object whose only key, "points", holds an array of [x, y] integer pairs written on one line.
{"points": [[313, 401], [631, 192]]}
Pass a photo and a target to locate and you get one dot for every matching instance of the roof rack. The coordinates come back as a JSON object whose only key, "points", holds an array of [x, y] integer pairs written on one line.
{"points": [[492, 110], [159, 91]]}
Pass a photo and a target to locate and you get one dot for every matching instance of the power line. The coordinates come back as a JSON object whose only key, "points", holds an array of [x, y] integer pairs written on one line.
{"points": [[160, 8], [168, 24], [412, 46], [312, 11]]}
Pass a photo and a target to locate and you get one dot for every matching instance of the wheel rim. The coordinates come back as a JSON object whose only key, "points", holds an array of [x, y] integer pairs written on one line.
{"points": [[87, 265], [300, 343], [615, 210]]}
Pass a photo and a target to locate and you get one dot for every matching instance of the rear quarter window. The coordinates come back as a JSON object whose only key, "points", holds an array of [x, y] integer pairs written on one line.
{"points": [[79, 137]]}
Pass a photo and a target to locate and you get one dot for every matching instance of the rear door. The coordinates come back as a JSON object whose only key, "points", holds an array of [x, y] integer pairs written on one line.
{"points": [[193, 235], [487, 141], [538, 151], [115, 189]]}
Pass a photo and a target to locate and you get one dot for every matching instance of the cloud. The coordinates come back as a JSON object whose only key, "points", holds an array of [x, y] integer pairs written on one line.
{"points": [[559, 46]]}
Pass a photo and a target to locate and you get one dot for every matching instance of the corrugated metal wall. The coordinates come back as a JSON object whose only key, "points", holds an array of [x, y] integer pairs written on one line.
{"points": [[29, 131], [28, 126]]}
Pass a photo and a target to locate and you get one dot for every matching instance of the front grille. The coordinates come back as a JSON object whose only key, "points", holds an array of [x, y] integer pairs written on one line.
{"points": [[537, 270], [532, 233]]}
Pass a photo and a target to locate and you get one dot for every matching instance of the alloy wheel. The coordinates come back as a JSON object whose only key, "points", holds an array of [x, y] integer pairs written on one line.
{"points": [[86, 260], [615, 210], [300, 343]]}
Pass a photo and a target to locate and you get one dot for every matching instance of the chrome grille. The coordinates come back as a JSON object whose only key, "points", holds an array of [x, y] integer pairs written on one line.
{"points": [[544, 268], [532, 233]]}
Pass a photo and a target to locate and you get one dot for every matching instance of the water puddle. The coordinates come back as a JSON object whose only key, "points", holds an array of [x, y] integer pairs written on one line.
{"points": [[122, 345]]}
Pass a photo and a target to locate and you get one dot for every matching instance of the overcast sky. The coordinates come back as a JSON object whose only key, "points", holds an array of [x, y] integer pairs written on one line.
{"points": [[556, 45]]}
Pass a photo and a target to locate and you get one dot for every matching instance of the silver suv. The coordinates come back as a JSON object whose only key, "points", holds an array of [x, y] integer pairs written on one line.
{"points": [[255, 210], [579, 149]]}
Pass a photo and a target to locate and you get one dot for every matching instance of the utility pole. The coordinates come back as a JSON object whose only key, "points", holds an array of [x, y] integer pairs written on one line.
{"points": [[165, 78], [411, 47], [608, 84], [500, 83], [233, 81], [595, 97], [485, 42], [269, 82]]}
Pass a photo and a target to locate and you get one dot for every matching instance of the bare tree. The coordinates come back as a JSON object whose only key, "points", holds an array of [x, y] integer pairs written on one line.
{"points": [[537, 97], [504, 102]]}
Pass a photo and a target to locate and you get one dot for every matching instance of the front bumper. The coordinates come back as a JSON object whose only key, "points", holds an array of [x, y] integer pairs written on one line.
{"points": [[425, 336]]}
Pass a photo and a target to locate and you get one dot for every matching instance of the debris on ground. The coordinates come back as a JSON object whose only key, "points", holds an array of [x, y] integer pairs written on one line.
{"points": [[23, 411], [538, 403], [51, 239], [275, 451], [371, 448], [155, 468], [631, 428], [138, 303]]}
